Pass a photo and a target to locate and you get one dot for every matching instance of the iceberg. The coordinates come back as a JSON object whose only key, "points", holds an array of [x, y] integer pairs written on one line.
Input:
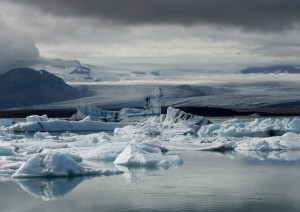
{"points": [[174, 122], [264, 128], [95, 114], [153, 102], [56, 164], [134, 155], [6, 151], [58, 125], [35, 118], [295, 125]]}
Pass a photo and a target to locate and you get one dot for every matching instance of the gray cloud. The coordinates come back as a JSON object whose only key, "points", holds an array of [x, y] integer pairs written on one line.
{"points": [[15, 50], [262, 15]]}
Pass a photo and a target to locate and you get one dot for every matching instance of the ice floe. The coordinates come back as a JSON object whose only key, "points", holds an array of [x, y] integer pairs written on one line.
{"points": [[134, 155], [55, 164], [57, 125], [264, 128]]}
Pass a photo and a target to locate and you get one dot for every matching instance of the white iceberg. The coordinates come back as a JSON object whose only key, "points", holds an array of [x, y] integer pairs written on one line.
{"points": [[264, 128], [56, 164], [6, 150], [34, 118], [174, 122], [95, 114], [145, 155], [57, 125]]}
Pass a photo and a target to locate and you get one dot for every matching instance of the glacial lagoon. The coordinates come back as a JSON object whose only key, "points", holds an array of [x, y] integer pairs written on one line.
{"points": [[206, 181]]}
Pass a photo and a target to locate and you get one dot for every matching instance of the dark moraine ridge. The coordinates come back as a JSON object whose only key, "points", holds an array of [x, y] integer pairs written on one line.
{"points": [[202, 111]]}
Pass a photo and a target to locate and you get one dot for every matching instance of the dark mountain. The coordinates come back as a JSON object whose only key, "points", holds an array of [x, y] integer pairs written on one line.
{"points": [[293, 69], [81, 70], [24, 87]]}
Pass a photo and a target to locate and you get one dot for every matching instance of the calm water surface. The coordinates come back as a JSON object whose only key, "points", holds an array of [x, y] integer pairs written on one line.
{"points": [[207, 181]]}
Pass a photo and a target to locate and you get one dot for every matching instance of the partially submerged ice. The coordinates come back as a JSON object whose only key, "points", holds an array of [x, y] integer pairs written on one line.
{"points": [[58, 125], [95, 114], [144, 155], [152, 108], [174, 122], [35, 118], [56, 164], [153, 102], [264, 128]]}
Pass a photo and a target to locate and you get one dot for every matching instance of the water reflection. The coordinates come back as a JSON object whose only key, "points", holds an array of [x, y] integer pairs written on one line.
{"points": [[133, 174], [49, 189], [207, 181]]}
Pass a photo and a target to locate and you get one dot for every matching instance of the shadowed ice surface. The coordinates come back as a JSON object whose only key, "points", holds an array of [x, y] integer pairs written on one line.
{"points": [[207, 181]]}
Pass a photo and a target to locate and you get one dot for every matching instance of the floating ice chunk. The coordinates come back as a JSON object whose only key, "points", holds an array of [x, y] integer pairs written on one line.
{"points": [[104, 136], [6, 122], [7, 151], [269, 144], [88, 118], [283, 156], [291, 135], [9, 164], [41, 135], [94, 140], [237, 128], [130, 129], [134, 155], [197, 145], [95, 114], [76, 157], [56, 125], [34, 118], [127, 112], [147, 129], [207, 129], [231, 132], [101, 137], [55, 164], [294, 124], [105, 152]]}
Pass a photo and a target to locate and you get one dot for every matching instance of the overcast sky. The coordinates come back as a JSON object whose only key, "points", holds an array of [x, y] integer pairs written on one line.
{"points": [[222, 35]]}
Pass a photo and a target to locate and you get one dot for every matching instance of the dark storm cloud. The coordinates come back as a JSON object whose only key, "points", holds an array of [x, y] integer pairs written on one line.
{"points": [[248, 14], [16, 54], [15, 49]]}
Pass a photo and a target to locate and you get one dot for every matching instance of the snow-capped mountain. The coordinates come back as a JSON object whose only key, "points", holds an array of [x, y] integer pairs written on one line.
{"points": [[74, 71], [276, 69]]}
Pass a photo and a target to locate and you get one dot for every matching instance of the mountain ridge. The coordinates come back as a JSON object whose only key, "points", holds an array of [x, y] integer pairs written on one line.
{"points": [[25, 86], [275, 69]]}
